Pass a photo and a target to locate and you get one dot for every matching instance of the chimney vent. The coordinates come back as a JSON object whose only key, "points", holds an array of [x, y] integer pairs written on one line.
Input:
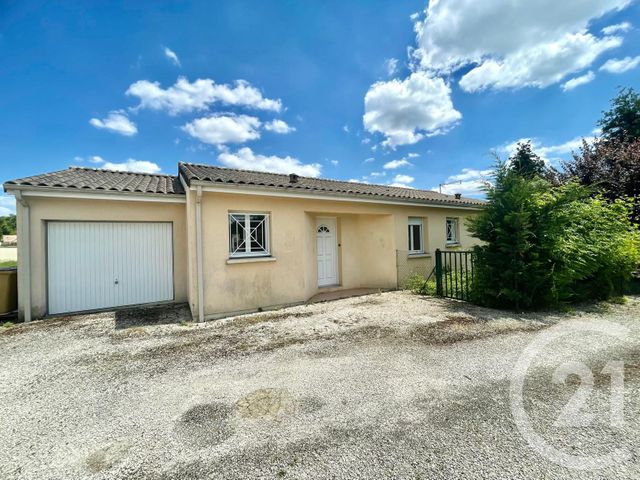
{"points": [[458, 196], [293, 178]]}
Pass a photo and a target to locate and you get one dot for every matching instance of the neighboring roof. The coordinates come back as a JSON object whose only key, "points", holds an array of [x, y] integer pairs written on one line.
{"points": [[207, 173], [80, 178]]}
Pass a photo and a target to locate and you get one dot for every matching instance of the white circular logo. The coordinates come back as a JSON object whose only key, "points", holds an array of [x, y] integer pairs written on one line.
{"points": [[573, 414]]}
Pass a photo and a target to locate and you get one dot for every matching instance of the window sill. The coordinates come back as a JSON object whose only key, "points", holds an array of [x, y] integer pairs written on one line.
{"points": [[419, 255], [453, 245], [232, 261]]}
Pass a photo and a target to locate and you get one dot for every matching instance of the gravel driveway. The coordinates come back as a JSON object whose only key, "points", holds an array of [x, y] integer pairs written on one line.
{"points": [[382, 386]]}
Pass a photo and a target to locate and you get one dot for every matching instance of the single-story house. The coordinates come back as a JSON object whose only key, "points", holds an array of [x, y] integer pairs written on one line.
{"points": [[224, 240], [9, 240]]}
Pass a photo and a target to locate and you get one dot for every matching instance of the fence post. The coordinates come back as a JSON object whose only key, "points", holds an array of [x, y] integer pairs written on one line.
{"points": [[438, 272]]}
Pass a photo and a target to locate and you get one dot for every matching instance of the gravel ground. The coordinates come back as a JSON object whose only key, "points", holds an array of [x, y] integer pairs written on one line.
{"points": [[382, 386]]}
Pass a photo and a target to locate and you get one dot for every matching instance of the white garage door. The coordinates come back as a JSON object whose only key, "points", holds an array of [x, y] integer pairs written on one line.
{"points": [[93, 265]]}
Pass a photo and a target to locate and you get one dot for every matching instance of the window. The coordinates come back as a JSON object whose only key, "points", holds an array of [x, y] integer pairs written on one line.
{"points": [[452, 231], [415, 235], [248, 235]]}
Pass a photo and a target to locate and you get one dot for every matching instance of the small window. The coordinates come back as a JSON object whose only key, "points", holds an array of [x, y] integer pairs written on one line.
{"points": [[452, 231], [416, 244], [248, 235]]}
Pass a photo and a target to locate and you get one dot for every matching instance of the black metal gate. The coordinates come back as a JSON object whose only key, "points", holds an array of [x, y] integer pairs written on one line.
{"points": [[454, 274]]}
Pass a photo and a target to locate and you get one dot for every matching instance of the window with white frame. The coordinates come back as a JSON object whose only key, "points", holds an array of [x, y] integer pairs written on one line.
{"points": [[249, 235], [416, 237], [452, 231]]}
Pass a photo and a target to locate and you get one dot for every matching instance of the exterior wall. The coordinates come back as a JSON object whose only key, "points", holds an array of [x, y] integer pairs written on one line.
{"points": [[372, 239], [43, 209]]}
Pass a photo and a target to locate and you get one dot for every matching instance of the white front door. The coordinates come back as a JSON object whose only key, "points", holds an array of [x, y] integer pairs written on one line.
{"points": [[327, 247]]}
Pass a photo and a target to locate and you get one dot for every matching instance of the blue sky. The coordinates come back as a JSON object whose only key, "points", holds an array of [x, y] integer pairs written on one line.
{"points": [[334, 89]]}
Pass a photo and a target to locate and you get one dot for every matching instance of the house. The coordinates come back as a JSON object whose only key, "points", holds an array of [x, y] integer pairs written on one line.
{"points": [[223, 240], [9, 240]]}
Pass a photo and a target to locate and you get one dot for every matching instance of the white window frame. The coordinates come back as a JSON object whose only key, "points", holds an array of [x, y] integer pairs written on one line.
{"points": [[419, 222], [246, 250], [455, 231]]}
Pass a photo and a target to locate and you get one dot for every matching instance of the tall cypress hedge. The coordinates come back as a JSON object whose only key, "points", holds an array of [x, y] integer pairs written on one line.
{"points": [[544, 245]]}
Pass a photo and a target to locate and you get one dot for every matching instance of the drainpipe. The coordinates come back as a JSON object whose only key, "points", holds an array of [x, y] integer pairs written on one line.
{"points": [[24, 265], [199, 254]]}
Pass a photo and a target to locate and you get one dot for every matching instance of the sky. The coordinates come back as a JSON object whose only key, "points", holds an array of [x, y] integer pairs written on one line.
{"points": [[407, 93]]}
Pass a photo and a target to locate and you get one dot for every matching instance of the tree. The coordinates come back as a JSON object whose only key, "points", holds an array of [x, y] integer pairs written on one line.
{"points": [[525, 162], [8, 225], [611, 167], [544, 245], [621, 123]]}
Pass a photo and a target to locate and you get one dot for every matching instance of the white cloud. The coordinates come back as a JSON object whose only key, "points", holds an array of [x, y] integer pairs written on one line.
{"points": [[617, 28], [406, 111], [368, 160], [391, 66], [393, 164], [7, 204], [171, 55], [468, 182], [413, 155], [540, 65], [378, 174], [131, 165], [345, 128], [221, 129], [247, 160], [116, 121], [366, 140], [334, 162], [512, 44], [278, 126], [403, 179], [184, 96], [615, 65], [552, 154], [577, 81]]}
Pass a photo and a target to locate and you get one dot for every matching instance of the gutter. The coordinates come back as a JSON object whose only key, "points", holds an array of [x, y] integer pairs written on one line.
{"points": [[24, 254], [88, 194], [199, 255], [208, 186]]}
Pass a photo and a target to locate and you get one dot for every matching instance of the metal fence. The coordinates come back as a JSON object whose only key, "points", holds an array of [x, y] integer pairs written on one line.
{"points": [[454, 274]]}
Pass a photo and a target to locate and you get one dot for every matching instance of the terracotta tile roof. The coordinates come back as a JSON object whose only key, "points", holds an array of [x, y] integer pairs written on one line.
{"points": [[93, 179], [219, 175], [79, 178]]}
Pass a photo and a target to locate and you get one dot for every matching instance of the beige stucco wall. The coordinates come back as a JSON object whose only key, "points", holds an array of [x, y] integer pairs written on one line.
{"points": [[43, 209], [372, 239]]}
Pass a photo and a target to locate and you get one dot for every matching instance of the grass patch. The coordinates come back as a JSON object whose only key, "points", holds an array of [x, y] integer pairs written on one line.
{"points": [[8, 263], [249, 320], [421, 286], [7, 324], [621, 300], [458, 328]]}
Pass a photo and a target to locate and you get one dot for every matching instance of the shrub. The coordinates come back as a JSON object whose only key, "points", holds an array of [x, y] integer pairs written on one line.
{"points": [[420, 285], [547, 245]]}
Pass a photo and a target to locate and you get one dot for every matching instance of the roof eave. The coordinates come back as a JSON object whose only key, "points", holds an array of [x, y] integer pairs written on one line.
{"points": [[254, 189], [70, 192]]}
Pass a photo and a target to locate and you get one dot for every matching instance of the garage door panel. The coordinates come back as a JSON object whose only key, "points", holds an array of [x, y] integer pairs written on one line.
{"points": [[94, 265]]}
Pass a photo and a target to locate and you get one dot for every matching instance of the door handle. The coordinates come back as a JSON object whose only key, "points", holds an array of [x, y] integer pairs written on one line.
{"points": [[116, 282]]}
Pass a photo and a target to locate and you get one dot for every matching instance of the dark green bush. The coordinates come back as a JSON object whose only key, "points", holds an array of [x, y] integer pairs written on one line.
{"points": [[546, 245]]}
